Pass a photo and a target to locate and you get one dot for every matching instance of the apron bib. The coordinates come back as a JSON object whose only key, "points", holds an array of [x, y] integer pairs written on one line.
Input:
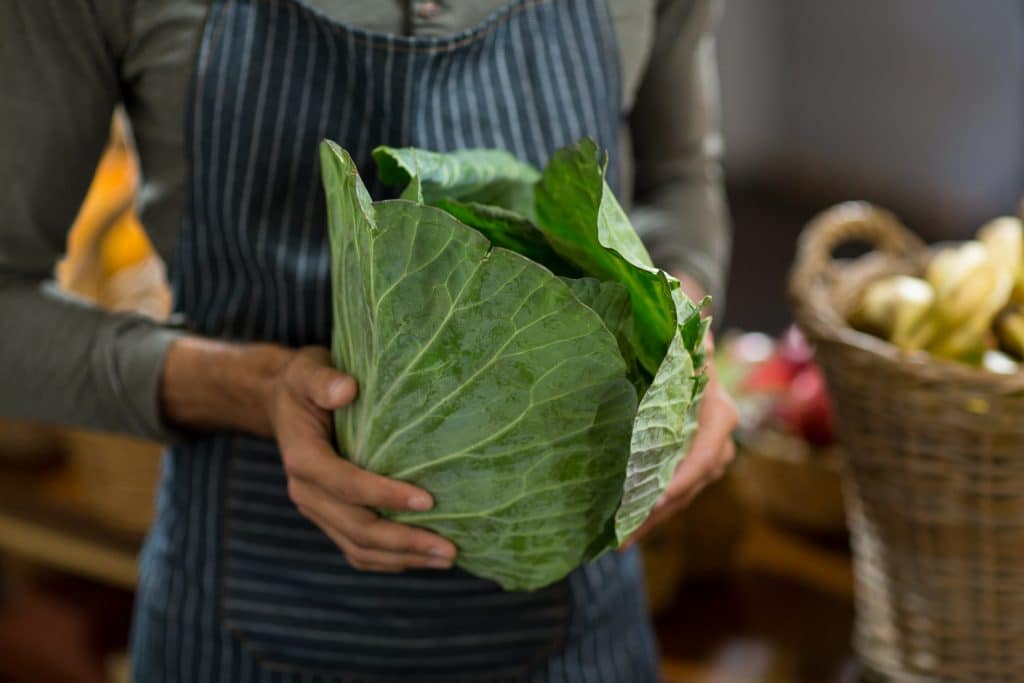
{"points": [[231, 559]]}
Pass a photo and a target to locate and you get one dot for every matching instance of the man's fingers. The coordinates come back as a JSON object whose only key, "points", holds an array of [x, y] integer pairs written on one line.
{"points": [[368, 530], [372, 559], [346, 546], [313, 459], [369, 558], [334, 493], [725, 459], [401, 538], [311, 377], [361, 487], [330, 389]]}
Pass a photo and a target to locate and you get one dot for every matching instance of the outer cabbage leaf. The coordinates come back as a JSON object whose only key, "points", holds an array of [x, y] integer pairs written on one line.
{"points": [[665, 420], [610, 300], [583, 222], [486, 189], [483, 379], [483, 176], [505, 228], [581, 219]]}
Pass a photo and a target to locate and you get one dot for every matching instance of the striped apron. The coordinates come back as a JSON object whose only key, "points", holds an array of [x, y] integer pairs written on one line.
{"points": [[235, 584]]}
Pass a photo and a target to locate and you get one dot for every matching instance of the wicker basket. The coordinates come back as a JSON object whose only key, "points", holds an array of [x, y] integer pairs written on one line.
{"points": [[935, 485]]}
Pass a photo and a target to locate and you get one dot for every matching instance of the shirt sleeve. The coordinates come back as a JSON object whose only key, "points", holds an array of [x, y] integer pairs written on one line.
{"points": [[61, 359], [680, 208]]}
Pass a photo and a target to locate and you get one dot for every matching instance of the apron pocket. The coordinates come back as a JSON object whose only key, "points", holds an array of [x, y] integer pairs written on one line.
{"points": [[293, 600]]}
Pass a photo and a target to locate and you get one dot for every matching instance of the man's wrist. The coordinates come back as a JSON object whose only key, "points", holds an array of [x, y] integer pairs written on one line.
{"points": [[208, 384]]}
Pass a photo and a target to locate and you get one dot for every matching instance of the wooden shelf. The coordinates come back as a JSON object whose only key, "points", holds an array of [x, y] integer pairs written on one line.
{"points": [[43, 520], [772, 549], [782, 612]]}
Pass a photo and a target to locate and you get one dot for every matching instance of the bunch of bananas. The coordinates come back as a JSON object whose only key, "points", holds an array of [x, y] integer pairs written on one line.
{"points": [[968, 306]]}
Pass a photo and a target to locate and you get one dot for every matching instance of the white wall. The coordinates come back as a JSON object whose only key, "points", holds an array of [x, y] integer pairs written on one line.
{"points": [[924, 98], [750, 63]]}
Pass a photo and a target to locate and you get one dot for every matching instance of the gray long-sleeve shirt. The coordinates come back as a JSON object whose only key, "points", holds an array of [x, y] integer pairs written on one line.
{"points": [[66, 64]]}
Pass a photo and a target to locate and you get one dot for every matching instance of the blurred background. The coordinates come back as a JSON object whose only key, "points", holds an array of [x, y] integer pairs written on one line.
{"points": [[917, 105]]}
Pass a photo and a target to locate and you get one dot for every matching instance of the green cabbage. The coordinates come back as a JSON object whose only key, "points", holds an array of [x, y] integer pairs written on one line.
{"points": [[518, 355]]}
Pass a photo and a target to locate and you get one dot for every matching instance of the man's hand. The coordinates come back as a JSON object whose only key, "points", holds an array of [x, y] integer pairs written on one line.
{"points": [[332, 492], [290, 395]]}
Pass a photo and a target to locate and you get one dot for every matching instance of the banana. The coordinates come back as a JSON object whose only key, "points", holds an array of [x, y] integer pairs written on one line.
{"points": [[969, 339], [875, 307], [941, 266], [971, 286], [1010, 332], [965, 343], [966, 278], [962, 300], [898, 308], [1004, 239], [920, 336]]}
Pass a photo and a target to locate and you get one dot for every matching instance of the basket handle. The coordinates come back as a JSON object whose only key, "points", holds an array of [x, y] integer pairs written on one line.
{"points": [[843, 224]]}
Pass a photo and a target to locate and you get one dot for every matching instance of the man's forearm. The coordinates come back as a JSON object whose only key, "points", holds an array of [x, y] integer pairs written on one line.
{"points": [[63, 361], [210, 384]]}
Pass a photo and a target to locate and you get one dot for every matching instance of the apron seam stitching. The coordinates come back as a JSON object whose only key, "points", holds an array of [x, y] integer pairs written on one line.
{"points": [[435, 45]]}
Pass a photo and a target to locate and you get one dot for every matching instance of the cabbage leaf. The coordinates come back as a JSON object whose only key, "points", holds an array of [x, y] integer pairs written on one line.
{"points": [[518, 355], [483, 379]]}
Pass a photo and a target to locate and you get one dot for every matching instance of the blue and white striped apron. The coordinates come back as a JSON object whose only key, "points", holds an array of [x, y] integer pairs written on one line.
{"points": [[235, 584]]}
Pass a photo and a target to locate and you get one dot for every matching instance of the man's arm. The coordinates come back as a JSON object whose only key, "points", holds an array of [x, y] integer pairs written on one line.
{"points": [[61, 359], [680, 206], [290, 394]]}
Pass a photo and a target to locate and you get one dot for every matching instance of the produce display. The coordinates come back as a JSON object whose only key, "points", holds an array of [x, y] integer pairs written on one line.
{"points": [[967, 306], [788, 463], [518, 354], [777, 386]]}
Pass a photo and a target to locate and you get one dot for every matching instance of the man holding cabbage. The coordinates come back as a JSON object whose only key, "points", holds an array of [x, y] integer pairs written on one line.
{"points": [[538, 463]]}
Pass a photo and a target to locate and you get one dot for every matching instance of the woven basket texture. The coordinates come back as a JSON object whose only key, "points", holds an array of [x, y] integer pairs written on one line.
{"points": [[934, 474]]}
